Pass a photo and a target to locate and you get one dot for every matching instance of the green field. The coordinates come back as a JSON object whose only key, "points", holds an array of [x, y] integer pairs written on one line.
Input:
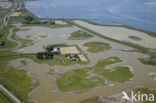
{"points": [[78, 35], [80, 80], [4, 98], [75, 80], [96, 47], [91, 100], [3, 37], [15, 80], [97, 99], [147, 61], [146, 91], [119, 74]]}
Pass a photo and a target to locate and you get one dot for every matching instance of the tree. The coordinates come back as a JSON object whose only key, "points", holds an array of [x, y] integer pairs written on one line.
{"points": [[50, 48], [29, 18], [2, 43], [45, 55]]}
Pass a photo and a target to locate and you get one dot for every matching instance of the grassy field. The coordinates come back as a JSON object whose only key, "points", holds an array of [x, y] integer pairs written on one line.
{"points": [[80, 80], [76, 80], [55, 61], [4, 53], [3, 37], [97, 99], [147, 61], [1, 18], [146, 91], [47, 25], [91, 100], [119, 74], [15, 80], [78, 35], [96, 47], [4, 98]]}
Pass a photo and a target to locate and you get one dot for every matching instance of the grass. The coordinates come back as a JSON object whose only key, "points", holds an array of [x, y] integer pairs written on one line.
{"points": [[15, 80], [119, 74], [4, 98], [24, 42], [146, 91], [55, 61], [69, 60], [7, 52], [108, 61], [53, 26], [1, 18], [91, 100], [4, 32], [80, 80], [75, 80], [96, 47], [135, 38], [147, 61], [78, 35]]}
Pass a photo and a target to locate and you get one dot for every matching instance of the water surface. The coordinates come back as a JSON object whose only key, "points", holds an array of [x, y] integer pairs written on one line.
{"points": [[136, 13]]}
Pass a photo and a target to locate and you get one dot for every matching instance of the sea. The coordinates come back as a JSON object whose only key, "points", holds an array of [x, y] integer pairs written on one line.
{"points": [[136, 13]]}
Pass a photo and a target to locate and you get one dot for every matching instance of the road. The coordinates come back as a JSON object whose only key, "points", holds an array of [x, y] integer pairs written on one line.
{"points": [[10, 94]]}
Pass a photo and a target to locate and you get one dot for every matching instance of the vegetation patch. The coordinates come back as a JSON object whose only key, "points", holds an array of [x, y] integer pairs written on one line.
{"points": [[15, 80], [44, 55], [4, 98], [78, 35], [76, 80], [91, 100], [146, 91], [96, 47], [119, 74], [148, 61], [4, 42], [135, 38], [81, 79]]}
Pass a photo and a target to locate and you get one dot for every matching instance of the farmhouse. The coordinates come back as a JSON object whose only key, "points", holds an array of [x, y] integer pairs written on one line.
{"points": [[56, 51]]}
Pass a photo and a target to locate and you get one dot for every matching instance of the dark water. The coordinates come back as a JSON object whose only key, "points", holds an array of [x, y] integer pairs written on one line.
{"points": [[137, 13]]}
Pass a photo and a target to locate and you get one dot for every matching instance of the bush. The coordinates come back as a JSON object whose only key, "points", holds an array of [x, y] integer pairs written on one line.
{"points": [[45, 55], [50, 48], [2, 43], [29, 18]]}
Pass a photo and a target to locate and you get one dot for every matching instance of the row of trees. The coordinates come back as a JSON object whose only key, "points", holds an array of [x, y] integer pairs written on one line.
{"points": [[32, 20], [45, 55]]}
